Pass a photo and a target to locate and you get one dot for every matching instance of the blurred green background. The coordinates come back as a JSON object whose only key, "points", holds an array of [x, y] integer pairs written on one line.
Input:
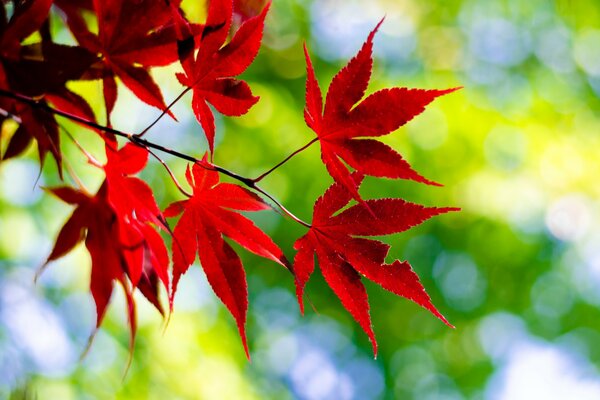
{"points": [[517, 271]]}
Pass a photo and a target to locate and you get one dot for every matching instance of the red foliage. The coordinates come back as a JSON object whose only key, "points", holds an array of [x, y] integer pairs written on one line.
{"points": [[207, 217], [120, 224], [211, 72], [343, 122], [344, 255]]}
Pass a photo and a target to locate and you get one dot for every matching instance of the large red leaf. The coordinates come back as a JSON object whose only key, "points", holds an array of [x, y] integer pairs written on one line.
{"points": [[346, 117], [208, 216], [343, 256], [36, 70], [119, 226], [95, 221]]}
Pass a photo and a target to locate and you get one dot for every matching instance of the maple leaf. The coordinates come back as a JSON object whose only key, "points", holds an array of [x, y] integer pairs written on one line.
{"points": [[133, 35], [208, 216], [211, 73], [38, 125], [344, 254], [118, 226], [343, 124]]}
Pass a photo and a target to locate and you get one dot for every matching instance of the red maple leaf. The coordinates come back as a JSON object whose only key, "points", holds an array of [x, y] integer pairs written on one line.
{"points": [[133, 35], [35, 123], [344, 254], [343, 123], [208, 216], [211, 72]]}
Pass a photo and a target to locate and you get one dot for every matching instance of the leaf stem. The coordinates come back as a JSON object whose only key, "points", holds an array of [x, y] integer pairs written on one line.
{"points": [[135, 139], [307, 145], [164, 112], [91, 159], [171, 174], [281, 206]]}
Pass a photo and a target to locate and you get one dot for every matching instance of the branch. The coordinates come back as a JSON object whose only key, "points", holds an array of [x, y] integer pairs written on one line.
{"points": [[139, 141]]}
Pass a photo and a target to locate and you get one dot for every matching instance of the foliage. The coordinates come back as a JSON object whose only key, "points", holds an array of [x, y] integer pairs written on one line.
{"points": [[120, 223], [515, 270]]}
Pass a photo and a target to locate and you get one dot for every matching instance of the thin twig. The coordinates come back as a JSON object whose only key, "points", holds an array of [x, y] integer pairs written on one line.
{"points": [[70, 169], [91, 159], [307, 145], [175, 181], [278, 204], [164, 112]]}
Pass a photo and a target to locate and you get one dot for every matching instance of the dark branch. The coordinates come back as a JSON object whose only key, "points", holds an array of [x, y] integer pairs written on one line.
{"points": [[139, 141]]}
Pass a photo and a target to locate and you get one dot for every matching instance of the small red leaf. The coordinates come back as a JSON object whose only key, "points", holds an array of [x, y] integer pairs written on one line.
{"points": [[131, 38], [212, 71], [123, 246]]}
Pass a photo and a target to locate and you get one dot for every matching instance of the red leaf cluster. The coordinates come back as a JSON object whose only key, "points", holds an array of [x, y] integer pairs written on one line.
{"points": [[121, 223], [118, 225], [132, 37]]}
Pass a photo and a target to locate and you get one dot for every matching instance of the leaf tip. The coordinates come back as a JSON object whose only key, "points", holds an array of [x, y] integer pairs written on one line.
{"points": [[374, 31], [242, 331], [444, 210], [448, 91], [373, 343], [443, 319], [40, 271]]}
